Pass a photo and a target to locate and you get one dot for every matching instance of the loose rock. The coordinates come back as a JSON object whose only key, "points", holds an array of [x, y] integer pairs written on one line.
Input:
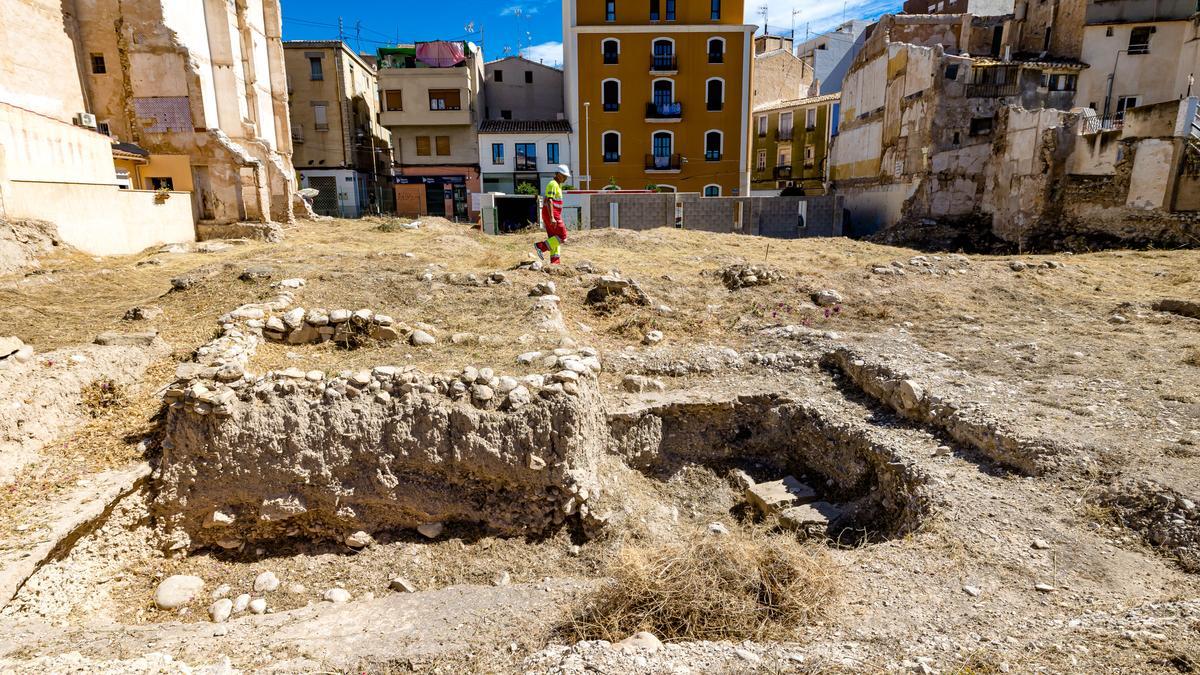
{"points": [[266, 582], [177, 591]]}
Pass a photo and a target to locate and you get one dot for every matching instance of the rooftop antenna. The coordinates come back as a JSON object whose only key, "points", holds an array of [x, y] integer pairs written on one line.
{"points": [[794, 13], [762, 9], [341, 31], [517, 13], [358, 34]]}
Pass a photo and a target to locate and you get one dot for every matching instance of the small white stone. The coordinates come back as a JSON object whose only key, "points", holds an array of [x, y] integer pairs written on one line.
{"points": [[519, 397], [420, 338], [430, 530], [402, 585], [177, 591], [359, 539], [337, 596], [240, 603], [220, 610], [642, 640], [258, 606], [266, 582]]}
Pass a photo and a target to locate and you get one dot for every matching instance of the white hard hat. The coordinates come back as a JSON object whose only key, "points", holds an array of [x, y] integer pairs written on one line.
{"points": [[563, 169]]}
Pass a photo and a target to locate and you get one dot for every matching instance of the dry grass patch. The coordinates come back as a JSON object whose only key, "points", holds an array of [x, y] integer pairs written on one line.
{"points": [[744, 585], [1192, 358], [102, 396]]}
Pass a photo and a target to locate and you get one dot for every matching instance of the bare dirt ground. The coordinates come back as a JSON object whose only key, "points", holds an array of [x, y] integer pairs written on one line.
{"points": [[1067, 349]]}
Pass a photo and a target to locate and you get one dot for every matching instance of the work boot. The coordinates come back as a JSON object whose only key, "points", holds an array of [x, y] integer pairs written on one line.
{"points": [[554, 260], [540, 248]]}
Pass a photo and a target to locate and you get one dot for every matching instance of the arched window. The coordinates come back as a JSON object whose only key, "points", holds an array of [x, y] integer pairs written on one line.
{"points": [[664, 94], [716, 50], [612, 51], [611, 94], [715, 94], [665, 188], [664, 55], [612, 146], [713, 140], [663, 156], [712, 190]]}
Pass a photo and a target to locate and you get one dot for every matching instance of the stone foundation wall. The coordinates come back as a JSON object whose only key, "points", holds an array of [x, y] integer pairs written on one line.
{"points": [[251, 458]]}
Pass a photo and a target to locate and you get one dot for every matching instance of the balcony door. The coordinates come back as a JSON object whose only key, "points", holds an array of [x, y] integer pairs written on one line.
{"points": [[664, 95], [664, 55], [662, 145]]}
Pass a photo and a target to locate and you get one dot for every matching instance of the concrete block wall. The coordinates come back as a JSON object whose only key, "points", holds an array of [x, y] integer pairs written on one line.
{"points": [[764, 216], [711, 214], [778, 217], [635, 211]]}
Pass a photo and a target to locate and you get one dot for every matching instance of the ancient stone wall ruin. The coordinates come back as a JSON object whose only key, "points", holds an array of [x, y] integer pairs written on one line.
{"points": [[294, 453]]}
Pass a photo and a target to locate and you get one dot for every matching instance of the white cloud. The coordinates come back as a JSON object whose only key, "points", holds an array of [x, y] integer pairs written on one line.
{"points": [[549, 53], [511, 10], [816, 15]]}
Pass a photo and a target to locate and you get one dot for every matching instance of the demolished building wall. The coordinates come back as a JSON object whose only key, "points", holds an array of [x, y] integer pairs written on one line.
{"points": [[202, 79], [54, 166], [911, 141], [1055, 182]]}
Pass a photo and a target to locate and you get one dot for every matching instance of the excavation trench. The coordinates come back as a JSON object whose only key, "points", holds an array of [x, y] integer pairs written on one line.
{"points": [[288, 463], [878, 491]]}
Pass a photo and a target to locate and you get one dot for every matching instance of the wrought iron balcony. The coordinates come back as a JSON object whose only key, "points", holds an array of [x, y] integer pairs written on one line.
{"points": [[664, 162], [783, 171], [664, 111], [664, 63], [993, 90]]}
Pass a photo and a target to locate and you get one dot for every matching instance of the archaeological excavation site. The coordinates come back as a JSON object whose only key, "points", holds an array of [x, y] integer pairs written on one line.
{"points": [[370, 448]]}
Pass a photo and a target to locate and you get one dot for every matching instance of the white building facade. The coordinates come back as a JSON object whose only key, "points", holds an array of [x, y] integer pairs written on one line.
{"points": [[516, 155]]}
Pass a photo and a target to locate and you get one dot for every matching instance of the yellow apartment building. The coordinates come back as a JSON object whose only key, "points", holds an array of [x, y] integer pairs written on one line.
{"points": [[658, 93]]}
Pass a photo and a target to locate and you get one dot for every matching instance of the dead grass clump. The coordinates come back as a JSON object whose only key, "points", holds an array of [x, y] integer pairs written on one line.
{"points": [[737, 586], [1193, 357], [103, 395], [393, 225], [637, 325]]}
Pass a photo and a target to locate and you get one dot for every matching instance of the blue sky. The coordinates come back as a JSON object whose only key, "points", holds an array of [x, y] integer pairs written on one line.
{"points": [[533, 25]]}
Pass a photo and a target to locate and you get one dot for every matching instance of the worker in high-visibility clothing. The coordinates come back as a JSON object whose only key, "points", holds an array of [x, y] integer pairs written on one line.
{"points": [[552, 216]]}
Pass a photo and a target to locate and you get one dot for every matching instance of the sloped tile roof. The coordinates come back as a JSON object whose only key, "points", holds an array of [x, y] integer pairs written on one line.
{"points": [[525, 127]]}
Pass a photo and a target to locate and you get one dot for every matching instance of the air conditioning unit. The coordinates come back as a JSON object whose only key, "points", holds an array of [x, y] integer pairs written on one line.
{"points": [[85, 120]]}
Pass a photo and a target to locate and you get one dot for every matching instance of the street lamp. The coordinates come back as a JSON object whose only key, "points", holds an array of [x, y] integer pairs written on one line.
{"points": [[587, 140]]}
